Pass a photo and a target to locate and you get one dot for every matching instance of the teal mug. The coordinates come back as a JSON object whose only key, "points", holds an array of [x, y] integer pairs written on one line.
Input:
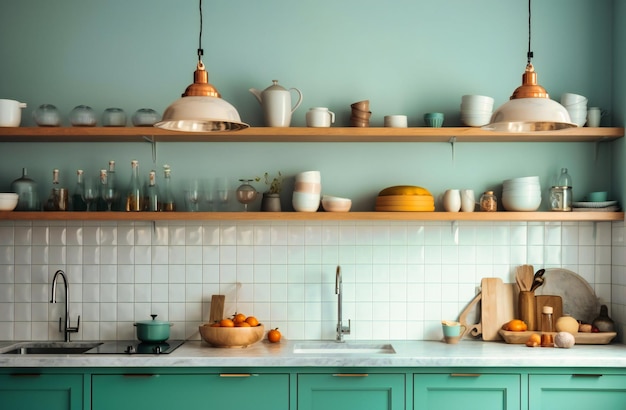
{"points": [[452, 331]]}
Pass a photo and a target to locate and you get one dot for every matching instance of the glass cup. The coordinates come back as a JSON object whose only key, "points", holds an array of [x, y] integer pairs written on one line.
{"points": [[114, 117], [47, 115], [83, 116]]}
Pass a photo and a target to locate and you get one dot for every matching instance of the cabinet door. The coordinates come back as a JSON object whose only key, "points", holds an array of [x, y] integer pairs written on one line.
{"points": [[351, 391], [190, 391], [577, 392], [41, 391], [466, 391]]}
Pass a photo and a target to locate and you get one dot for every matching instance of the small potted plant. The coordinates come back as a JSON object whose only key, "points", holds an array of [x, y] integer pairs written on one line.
{"points": [[271, 197]]}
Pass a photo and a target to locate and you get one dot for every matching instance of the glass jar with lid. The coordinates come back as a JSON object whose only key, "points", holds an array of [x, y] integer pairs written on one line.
{"points": [[488, 202]]}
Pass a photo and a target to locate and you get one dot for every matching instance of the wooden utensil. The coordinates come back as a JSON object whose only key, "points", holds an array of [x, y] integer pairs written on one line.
{"points": [[527, 309], [497, 306], [217, 308]]}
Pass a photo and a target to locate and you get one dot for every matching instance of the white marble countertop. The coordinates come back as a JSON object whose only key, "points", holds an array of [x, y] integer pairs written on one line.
{"points": [[407, 354]]}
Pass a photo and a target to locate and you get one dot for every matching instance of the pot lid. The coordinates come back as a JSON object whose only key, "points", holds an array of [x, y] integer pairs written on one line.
{"points": [[152, 322]]}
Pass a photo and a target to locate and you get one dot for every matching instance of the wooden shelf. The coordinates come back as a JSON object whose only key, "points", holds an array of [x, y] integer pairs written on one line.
{"points": [[315, 216], [303, 134]]}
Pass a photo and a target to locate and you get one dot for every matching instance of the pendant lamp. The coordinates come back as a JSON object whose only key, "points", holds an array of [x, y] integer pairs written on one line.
{"points": [[530, 108], [201, 107]]}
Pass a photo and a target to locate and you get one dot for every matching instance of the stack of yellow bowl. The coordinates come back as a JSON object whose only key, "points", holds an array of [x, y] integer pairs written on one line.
{"points": [[405, 198]]}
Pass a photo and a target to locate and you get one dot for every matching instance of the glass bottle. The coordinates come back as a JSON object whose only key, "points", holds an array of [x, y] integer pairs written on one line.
{"points": [[168, 204], [114, 188], [134, 196], [77, 196], [58, 199], [26, 188], [565, 183], [488, 202], [152, 193], [547, 327]]}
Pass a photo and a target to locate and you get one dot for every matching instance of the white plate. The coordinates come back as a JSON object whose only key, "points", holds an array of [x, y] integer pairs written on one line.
{"points": [[594, 204]]}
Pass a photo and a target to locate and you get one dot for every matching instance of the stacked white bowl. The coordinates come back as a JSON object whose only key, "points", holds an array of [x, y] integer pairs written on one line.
{"points": [[576, 106], [307, 191], [521, 194], [476, 110]]}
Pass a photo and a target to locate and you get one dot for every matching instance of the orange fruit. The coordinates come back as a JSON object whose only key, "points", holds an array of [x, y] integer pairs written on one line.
{"points": [[239, 317], [215, 324], [515, 325], [273, 335], [242, 324], [252, 321], [227, 323], [535, 338]]}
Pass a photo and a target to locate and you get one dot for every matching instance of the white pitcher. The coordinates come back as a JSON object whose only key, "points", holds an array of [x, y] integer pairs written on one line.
{"points": [[276, 103]]}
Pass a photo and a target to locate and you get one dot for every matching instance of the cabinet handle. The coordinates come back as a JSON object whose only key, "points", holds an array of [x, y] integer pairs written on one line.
{"points": [[25, 374], [350, 375], [586, 375], [465, 374], [237, 374], [138, 375]]}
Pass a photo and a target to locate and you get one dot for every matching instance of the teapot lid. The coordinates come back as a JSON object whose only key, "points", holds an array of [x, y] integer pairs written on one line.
{"points": [[275, 87]]}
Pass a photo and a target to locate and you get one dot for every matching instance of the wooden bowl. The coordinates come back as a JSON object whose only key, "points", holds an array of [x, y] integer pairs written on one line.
{"points": [[232, 337]]}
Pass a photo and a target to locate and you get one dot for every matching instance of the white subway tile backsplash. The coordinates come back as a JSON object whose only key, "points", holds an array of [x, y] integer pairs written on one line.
{"points": [[399, 279]]}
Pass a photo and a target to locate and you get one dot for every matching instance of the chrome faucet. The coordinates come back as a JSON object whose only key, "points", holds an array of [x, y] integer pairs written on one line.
{"points": [[67, 330], [341, 330]]}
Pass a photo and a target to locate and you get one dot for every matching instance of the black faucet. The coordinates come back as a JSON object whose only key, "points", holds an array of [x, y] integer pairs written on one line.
{"points": [[67, 330]]}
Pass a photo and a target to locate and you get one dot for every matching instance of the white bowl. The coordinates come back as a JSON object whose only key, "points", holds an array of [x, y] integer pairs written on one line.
{"points": [[305, 202], [521, 203], [309, 176], [571, 98], [8, 201], [475, 120], [336, 204], [477, 99], [533, 178]]}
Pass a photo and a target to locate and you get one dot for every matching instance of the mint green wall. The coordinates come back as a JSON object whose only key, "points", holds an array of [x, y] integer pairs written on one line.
{"points": [[619, 98], [405, 56]]}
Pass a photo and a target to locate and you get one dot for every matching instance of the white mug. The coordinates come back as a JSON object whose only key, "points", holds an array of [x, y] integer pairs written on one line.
{"points": [[594, 116], [11, 113], [319, 117], [452, 200], [468, 200], [396, 121]]}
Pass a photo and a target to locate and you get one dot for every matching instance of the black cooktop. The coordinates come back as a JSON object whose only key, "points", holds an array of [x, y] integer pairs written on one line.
{"points": [[136, 347]]}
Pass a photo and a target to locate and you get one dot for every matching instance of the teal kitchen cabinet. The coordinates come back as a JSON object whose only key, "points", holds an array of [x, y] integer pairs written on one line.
{"points": [[467, 391], [351, 391], [577, 391], [27, 391], [190, 391]]}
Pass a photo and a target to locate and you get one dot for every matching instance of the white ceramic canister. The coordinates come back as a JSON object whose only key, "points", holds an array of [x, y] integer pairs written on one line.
{"points": [[11, 113], [452, 200], [319, 117]]}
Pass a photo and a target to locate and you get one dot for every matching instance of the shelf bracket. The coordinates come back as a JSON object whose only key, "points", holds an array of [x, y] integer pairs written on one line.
{"points": [[452, 140], [454, 230], [153, 143]]}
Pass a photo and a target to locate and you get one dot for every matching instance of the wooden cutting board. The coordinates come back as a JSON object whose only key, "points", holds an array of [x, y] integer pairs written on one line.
{"points": [[217, 308], [549, 300], [498, 306]]}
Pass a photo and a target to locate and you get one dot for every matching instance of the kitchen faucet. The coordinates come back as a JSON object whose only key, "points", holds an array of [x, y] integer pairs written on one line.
{"points": [[67, 329], [341, 330]]}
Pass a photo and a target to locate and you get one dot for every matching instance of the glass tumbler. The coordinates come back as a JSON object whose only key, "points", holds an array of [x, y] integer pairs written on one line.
{"points": [[114, 117], [83, 116]]}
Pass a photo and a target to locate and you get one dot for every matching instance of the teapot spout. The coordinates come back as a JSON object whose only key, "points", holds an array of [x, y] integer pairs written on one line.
{"points": [[257, 94]]}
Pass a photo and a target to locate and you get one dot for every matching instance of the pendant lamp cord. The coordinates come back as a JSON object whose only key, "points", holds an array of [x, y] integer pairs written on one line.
{"points": [[529, 55], [200, 50]]}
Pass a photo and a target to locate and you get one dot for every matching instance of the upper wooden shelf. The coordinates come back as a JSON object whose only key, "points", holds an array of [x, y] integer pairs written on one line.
{"points": [[303, 134], [315, 216]]}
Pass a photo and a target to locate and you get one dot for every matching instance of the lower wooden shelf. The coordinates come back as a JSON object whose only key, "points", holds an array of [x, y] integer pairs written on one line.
{"points": [[314, 216]]}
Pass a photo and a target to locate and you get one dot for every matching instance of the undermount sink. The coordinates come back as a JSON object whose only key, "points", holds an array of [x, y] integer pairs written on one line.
{"points": [[49, 348], [343, 348]]}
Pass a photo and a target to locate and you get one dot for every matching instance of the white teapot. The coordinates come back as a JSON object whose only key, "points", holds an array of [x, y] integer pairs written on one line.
{"points": [[276, 103]]}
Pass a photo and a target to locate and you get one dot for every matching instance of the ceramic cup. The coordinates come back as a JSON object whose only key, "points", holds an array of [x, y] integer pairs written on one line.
{"points": [[396, 121], [319, 117], [434, 119], [594, 116], [11, 113], [452, 331], [452, 200], [468, 200], [600, 196]]}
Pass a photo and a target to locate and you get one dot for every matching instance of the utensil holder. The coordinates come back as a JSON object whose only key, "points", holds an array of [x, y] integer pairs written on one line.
{"points": [[527, 309]]}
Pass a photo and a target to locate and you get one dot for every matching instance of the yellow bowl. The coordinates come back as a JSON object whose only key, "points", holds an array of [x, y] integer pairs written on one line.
{"points": [[232, 337]]}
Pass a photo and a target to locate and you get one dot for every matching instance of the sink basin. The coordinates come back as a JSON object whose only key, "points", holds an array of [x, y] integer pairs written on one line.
{"points": [[49, 348], [333, 348]]}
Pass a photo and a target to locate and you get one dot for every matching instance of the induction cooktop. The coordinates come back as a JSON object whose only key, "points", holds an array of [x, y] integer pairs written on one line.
{"points": [[135, 347]]}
